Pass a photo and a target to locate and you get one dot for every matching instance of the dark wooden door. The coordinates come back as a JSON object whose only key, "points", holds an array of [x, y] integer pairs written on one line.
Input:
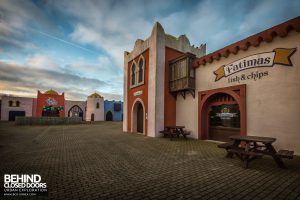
{"points": [[92, 117], [13, 114], [109, 116], [140, 119]]}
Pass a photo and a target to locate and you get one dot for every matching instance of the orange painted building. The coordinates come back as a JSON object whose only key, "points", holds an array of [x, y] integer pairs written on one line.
{"points": [[50, 103]]}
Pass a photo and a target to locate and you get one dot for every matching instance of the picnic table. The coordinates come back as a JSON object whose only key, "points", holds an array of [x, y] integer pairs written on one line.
{"points": [[173, 131], [248, 148]]}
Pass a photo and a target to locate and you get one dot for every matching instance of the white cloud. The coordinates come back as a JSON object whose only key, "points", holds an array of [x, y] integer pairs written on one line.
{"points": [[107, 25], [41, 61]]}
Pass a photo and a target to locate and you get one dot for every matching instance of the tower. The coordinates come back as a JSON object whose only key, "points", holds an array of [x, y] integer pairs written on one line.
{"points": [[149, 104], [95, 108]]}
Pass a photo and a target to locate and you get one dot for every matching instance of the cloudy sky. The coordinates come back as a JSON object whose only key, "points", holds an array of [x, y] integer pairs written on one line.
{"points": [[77, 46]]}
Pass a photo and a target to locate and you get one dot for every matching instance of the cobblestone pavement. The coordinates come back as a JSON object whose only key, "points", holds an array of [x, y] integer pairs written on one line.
{"points": [[98, 161]]}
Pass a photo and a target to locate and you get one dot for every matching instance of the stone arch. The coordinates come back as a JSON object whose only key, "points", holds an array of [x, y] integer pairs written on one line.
{"points": [[134, 112], [238, 93], [75, 111]]}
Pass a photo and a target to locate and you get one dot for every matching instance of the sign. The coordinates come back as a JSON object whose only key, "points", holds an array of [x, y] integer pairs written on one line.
{"points": [[51, 102], [226, 114], [277, 56], [138, 93]]}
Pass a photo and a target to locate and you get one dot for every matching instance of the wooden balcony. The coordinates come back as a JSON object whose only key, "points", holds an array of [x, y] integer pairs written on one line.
{"points": [[182, 75], [185, 83]]}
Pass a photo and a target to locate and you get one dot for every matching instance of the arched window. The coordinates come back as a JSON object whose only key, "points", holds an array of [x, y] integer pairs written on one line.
{"points": [[133, 74], [18, 103], [97, 105], [141, 70], [10, 103]]}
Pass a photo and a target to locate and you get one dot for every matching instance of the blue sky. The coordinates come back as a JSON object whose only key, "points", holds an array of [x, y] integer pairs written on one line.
{"points": [[77, 46]]}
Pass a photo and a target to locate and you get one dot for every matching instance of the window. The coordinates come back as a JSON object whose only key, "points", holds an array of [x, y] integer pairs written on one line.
{"points": [[133, 74], [18, 103], [97, 105], [117, 107], [225, 116], [10, 103], [137, 72], [141, 70]]}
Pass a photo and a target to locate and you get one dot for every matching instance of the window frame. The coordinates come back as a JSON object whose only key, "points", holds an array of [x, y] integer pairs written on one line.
{"points": [[131, 84], [136, 72]]}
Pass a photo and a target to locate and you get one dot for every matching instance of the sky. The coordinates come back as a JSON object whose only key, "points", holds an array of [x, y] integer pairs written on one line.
{"points": [[77, 47]]}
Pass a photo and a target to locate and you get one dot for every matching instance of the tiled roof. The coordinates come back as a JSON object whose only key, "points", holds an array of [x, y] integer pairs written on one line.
{"points": [[254, 40]]}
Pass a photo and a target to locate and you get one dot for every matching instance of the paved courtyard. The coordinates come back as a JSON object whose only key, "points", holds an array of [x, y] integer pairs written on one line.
{"points": [[98, 161]]}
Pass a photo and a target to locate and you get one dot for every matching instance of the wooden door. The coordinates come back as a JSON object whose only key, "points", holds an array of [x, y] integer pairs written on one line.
{"points": [[92, 117], [140, 118]]}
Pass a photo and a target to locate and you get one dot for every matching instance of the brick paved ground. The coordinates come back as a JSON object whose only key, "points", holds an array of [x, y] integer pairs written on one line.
{"points": [[98, 161]]}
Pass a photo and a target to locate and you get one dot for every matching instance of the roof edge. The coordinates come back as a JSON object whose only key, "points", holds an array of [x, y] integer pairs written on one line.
{"points": [[267, 35]]}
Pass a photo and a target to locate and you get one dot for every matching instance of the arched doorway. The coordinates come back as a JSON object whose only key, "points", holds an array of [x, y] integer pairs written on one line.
{"points": [[222, 113], [109, 116], [138, 119], [223, 117], [75, 111], [92, 117]]}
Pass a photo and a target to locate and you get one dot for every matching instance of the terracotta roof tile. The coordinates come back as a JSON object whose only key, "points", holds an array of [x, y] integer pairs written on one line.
{"points": [[280, 30]]}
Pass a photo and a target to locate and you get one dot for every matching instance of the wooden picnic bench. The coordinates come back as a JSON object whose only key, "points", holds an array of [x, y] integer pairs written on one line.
{"points": [[175, 131], [248, 148]]}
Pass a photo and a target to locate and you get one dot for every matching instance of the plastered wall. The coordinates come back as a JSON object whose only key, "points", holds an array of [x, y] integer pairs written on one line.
{"points": [[273, 100]]}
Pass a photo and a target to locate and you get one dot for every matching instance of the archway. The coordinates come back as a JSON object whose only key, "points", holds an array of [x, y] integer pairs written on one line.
{"points": [[138, 117], [222, 113], [109, 116], [75, 111]]}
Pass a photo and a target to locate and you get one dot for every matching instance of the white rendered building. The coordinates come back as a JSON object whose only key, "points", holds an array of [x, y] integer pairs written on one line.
{"points": [[95, 108]]}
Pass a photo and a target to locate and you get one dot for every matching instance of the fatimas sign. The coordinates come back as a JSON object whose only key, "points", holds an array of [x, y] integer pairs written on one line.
{"points": [[277, 56]]}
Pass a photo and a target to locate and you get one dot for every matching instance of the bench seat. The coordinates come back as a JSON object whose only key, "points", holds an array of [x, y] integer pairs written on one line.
{"points": [[167, 132], [285, 154], [186, 132], [243, 152], [226, 145]]}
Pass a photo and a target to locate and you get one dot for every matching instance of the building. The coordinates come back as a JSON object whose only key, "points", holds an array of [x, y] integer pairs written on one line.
{"points": [[50, 104], [113, 110], [16, 106], [250, 87], [95, 108], [53, 104]]}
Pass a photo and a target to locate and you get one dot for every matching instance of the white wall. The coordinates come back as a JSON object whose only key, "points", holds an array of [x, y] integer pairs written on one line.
{"points": [[273, 102], [91, 108], [25, 105]]}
